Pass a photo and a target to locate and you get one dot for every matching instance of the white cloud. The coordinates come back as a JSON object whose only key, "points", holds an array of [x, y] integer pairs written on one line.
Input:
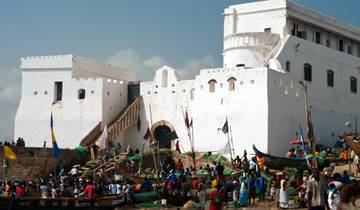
{"points": [[145, 68], [10, 91]]}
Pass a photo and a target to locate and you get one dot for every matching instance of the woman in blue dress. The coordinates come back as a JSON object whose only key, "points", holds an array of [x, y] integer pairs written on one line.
{"points": [[244, 191]]}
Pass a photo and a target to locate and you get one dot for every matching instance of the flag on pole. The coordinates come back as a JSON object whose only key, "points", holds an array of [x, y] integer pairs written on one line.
{"points": [[147, 135], [187, 123], [101, 143], [225, 149], [303, 144], [191, 122], [9, 154], [225, 127], [56, 150]]}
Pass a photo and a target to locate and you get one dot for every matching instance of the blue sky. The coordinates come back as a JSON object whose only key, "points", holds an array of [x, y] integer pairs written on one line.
{"points": [[186, 34]]}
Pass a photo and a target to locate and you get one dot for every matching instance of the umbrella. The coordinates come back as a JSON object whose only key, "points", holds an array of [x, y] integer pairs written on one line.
{"points": [[297, 142], [336, 183]]}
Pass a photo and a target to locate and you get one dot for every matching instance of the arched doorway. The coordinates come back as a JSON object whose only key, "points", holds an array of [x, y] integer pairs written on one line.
{"points": [[164, 132]]}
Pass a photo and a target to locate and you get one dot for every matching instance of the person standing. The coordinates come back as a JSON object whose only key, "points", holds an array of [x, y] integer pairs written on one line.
{"points": [[177, 146], [252, 188], [216, 198], [220, 173], [284, 194], [316, 193], [202, 193], [261, 185], [243, 192], [90, 192]]}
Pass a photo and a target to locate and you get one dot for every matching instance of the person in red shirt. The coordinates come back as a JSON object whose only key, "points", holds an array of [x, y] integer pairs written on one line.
{"points": [[216, 198], [20, 190], [177, 146], [179, 166], [90, 192]]}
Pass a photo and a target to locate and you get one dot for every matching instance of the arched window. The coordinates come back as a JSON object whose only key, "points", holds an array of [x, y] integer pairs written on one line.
{"points": [[212, 85], [81, 93], [287, 67], [231, 82], [307, 72], [330, 78], [164, 78], [353, 84]]}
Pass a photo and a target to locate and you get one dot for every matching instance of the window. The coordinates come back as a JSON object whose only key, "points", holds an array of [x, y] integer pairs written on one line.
{"points": [[231, 82], [58, 91], [307, 72], [164, 78], [81, 94], [353, 84], [267, 30], [330, 78], [212, 85], [341, 45], [349, 49], [358, 51], [318, 37], [240, 65], [35, 92], [328, 43], [287, 67]]}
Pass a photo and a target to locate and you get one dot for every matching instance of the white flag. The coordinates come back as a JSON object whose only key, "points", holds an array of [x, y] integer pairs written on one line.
{"points": [[225, 149], [101, 142]]}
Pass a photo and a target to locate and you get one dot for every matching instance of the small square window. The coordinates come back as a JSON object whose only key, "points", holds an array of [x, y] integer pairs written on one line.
{"points": [[92, 92], [156, 86], [173, 91], [221, 85], [108, 93], [155, 92], [148, 92], [45, 92], [35, 92], [252, 81], [241, 82], [183, 90], [267, 30], [173, 85]]}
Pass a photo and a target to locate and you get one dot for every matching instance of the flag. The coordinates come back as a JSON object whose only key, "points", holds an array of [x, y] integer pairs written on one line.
{"points": [[225, 149], [303, 144], [225, 127], [187, 123], [310, 129], [9, 154], [147, 135], [56, 150], [101, 143]]}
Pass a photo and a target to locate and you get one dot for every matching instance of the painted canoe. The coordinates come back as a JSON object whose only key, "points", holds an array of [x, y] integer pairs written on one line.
{"points": [[108, 202], [276, 162]]}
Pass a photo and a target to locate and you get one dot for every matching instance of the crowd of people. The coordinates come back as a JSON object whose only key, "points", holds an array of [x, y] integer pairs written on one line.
{"points": [[254, 185]]}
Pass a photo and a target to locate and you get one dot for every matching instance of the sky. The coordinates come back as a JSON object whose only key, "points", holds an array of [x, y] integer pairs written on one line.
{"points": [[141, 35]]}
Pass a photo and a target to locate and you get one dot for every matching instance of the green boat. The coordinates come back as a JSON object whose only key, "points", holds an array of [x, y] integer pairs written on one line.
{"points": [[279, 163]]}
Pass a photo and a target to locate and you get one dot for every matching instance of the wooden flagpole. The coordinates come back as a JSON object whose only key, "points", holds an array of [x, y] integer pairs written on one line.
{"points": [[152, 139], [228, 136], [189, 135], [232, 142]]}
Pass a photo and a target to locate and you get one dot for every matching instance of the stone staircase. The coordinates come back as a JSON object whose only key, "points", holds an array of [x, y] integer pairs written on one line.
{"points": [[124, 120]]}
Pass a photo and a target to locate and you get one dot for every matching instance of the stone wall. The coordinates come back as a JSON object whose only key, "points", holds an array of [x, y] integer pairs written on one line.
{"points": [[35, 162]]}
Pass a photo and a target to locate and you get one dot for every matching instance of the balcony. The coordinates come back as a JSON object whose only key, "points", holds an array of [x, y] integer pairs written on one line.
{"points": [[257, 40]]}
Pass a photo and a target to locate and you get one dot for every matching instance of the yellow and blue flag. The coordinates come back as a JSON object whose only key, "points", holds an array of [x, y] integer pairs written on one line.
{"points": [[56, 150], [9, 154]]}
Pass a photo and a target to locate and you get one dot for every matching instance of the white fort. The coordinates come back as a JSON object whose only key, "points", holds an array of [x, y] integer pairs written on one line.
{"points": [[272, 50]]}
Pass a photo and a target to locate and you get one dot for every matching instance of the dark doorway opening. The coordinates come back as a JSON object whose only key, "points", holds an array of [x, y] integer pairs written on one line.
{"points": [[164, 135]]}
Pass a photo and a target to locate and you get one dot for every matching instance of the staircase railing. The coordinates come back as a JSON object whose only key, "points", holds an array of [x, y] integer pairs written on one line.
{"points": [[124, 120]]}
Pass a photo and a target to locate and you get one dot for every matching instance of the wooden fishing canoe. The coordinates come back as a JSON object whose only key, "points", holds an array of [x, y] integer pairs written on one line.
{"points": [[276, 162]]}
